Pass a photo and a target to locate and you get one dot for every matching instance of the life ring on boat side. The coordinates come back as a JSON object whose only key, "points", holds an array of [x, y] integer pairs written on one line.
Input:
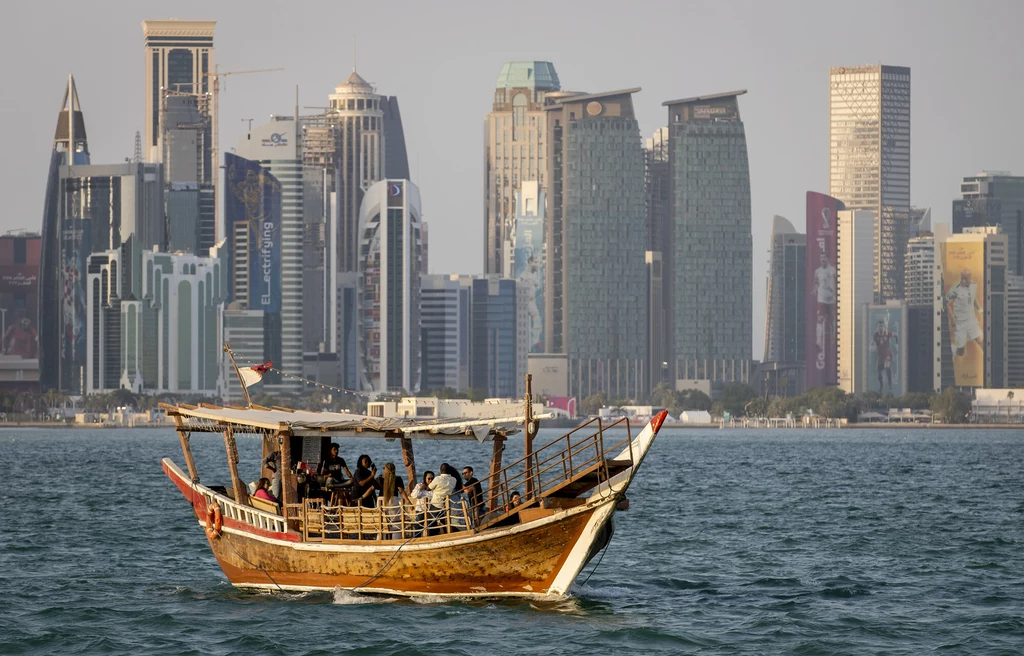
{"points": [[214, 521]]}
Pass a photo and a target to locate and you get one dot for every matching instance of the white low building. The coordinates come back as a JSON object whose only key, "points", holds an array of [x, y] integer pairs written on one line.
{"points": [[998, 406]]}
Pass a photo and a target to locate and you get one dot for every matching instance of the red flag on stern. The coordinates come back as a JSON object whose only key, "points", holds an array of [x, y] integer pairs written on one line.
{"points": [[254, 374]]}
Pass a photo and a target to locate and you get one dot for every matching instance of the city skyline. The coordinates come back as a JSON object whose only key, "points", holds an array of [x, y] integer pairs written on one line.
{"points": [[781, 56]]}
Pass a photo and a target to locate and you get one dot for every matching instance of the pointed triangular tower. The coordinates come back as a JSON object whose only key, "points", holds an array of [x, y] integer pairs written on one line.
{"points": [[70, 132]]}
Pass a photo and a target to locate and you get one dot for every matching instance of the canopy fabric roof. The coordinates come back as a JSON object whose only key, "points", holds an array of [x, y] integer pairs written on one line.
{"points": [[306, 422]]}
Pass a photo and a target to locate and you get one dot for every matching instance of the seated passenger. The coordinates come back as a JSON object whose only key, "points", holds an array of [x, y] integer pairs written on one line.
{"points": [[474, 492], [271, 463], [441, 488], [263, 490], [420, 494], [392, 497], [364, 489], [514, 500], [334, 467]]}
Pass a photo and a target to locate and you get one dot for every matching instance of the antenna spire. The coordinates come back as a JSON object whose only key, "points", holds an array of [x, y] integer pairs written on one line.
{"points": [[353, 53]]}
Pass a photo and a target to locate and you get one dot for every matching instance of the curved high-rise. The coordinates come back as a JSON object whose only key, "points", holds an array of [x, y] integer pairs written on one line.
{"points": [[388, 298], [58, 286]]}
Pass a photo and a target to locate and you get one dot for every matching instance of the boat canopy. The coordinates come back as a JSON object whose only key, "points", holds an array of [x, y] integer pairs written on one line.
{"points": [[212, 418]]}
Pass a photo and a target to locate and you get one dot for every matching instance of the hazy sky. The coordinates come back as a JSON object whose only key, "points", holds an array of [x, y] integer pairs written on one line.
{"points": [[442, 58]]}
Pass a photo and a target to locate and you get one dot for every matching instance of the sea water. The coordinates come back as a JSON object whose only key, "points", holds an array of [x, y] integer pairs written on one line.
{"points": [[882, 541]]}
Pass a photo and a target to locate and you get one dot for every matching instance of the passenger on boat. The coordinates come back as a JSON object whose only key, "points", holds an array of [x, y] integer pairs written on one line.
{"points": [[334, 467], [392, 496], [441, 488], [271, 462], [474, 493], [420, 494], [263, 490], [364, 488]]}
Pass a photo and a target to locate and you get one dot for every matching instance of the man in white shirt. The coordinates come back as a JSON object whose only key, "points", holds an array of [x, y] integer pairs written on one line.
{"points": [[964, 310], [825, 293]]}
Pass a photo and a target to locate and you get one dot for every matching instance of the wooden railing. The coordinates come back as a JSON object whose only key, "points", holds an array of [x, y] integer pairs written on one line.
{"points": [[324, 523], [558, 463], [579, 454]]}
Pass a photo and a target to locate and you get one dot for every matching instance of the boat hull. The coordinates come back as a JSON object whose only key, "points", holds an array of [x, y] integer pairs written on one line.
{"points": [[537, 558]]}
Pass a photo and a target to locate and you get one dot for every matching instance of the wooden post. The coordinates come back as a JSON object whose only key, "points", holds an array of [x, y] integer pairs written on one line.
{"points": [[492, 486], [409, 459], [241, 493], [289, 494], [529, 428], [186, 448]]}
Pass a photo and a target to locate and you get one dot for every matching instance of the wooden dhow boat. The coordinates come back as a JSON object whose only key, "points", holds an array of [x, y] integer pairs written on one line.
{"points": [[570, 489]]}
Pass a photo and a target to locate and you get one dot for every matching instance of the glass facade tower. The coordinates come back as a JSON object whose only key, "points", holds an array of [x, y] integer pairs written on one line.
{"points": [[869, 160], [709, 262], [595, 306]]}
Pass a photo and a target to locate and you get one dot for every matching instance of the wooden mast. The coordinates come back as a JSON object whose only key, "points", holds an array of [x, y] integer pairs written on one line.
{"points": [[492, 478], [241, 494]]}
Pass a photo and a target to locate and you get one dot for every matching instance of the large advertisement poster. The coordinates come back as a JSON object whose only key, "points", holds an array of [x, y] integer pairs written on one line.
{"points": [[19, 297], [254, 198], [963, 288], [885, 373], [76, 246], [529, 271], [821, 353]]}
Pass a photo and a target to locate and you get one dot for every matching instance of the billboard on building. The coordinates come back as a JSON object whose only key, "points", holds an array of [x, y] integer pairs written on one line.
{"points": [[886, 366], [254, 198], [19, 297], [76, 246], [821, 352], [528, 270], [963, 288]]}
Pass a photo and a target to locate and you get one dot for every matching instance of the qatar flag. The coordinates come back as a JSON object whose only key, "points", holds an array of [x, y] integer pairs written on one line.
{"points": [[254, 374]]}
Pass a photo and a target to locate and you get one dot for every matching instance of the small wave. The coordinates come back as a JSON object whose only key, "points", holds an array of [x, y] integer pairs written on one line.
{"points": [[349, 598], [600, 592], [844, 592], [774, 582], [683, 584]]}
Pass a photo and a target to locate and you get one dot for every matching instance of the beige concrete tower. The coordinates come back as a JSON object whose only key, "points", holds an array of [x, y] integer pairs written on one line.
{"points": [[178, 57], [514, 152]]}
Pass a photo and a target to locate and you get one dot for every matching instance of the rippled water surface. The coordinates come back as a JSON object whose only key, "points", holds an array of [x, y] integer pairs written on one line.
{"points": [[737, 542]]}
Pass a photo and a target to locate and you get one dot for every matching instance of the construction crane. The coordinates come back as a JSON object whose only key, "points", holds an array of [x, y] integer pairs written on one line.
{"points": [[215, 76]]}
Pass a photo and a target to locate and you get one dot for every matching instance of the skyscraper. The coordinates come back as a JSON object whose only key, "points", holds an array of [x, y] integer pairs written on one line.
{"points": [[820, 276], [920, 295], [659, 330], [514, 152], [91, 209], [994, 198], [355, 111], [185, 146], [178, 57], [1014, 331], [445, 328], [594, 311], [709, 258], [869, 159], [59, 282], [263, 206], [388, 333], [786, 294], [971, 307], [854, 281]]}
